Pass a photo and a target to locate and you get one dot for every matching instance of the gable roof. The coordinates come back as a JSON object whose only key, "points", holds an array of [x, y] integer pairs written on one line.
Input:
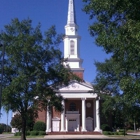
{"points": [[75, 86], [77, 90]]}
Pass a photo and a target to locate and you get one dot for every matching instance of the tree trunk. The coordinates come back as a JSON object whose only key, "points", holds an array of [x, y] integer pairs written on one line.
{"points": [[134, 125], [23, 133]]}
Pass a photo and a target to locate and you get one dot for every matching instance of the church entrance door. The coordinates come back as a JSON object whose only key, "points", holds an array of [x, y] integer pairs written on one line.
{"points": [[55, 124], [72, 125], [89, 124]]}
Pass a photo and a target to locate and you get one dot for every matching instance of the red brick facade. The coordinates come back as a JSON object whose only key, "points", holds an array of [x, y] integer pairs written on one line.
{"points": [[78, 103], [41, 116], [79, 74]]}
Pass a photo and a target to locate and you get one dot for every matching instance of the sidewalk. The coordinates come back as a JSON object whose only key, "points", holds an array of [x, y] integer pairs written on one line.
{"points": [[75, 137], [5, 135], [89, 137], [134, 134]]}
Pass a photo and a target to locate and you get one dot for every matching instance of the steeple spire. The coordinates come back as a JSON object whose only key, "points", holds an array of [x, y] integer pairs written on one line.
{"points": [[72, 42], [71, 13], [71, 28]]}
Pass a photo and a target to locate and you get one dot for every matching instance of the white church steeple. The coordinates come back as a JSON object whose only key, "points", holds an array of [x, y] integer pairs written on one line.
{"points": [[72, 42], [71, 20], [71, 14]]}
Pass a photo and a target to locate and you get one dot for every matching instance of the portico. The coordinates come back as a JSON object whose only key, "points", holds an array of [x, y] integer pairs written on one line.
{"points": [[81, 110]]}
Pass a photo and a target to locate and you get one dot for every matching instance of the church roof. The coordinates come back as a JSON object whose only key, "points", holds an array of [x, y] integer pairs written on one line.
{"points": [[77, 90]]}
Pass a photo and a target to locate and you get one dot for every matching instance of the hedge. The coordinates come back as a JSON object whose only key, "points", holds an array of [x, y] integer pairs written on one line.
{"points": [[32, 133], [39, 126], [113, 133], [17, 134], [1, 129]]}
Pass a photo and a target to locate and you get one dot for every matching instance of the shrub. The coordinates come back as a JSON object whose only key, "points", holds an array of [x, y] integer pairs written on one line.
{"points": [[28, 133], [111, 133], [18, 134], [121, 130], [116, 133], [39, 126], [105, 127], [42, 133], [34, 133], [106, 132], [1, 129], [121, 133]]}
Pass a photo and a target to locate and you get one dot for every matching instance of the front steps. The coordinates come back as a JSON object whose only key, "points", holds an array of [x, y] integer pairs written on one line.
{"points": [[73, 133]]}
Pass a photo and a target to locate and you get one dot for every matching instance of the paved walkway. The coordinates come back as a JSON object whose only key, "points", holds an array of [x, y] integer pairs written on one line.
{"points": [[75, 137], [134, 134], [4, 136]]}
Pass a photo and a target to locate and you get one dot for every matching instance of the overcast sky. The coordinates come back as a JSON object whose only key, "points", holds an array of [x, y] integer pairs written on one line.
{"points": [[54, 12]]}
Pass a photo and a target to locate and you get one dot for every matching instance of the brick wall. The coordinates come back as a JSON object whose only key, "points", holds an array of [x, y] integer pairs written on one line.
{"points": [[79, 74], [41, 116]]}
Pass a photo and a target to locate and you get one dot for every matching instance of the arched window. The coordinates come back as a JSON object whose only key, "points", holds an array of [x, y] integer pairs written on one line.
{"points": [[72, 107], [72, 45]]}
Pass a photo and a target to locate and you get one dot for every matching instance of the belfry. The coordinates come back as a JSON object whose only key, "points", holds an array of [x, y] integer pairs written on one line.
{"points": [[72, 42]]}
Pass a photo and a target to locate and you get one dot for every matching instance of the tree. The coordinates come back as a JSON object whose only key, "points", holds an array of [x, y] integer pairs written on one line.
{"points": [[115, 102], [16, 121], [116, 29], [33, 69], [4, 128], [1, 129]]}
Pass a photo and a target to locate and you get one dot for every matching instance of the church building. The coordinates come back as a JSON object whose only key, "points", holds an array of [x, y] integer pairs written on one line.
{"points": [[81, 108]]}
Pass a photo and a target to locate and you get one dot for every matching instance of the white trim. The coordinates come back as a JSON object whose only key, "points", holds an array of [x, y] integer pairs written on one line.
{"points": [[74, 95], [55, 119]]}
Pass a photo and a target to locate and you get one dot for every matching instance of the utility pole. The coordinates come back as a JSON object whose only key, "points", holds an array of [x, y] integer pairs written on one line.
{"points": [[2, 73]]}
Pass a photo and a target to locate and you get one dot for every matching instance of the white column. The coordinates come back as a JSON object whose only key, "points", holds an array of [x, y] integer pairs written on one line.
{"points": [[78, 122], [83, 115], [48, 120], [97, 116], [94, 112], [63, 117], [66, 124]]}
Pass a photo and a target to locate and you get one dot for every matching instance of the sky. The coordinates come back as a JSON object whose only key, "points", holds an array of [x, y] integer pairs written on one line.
{"points": [[54, 12]]}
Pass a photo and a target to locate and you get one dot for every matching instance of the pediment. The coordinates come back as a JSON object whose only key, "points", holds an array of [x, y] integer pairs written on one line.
{"points": [[75, 86]]}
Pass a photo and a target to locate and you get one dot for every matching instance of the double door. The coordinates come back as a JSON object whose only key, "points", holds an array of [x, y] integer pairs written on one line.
{"points": [[55, 126], [72, 125]]}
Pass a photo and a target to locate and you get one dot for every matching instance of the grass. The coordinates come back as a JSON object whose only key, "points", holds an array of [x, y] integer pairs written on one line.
{"points": [[28, 136], [126, 136], [6, 133]]}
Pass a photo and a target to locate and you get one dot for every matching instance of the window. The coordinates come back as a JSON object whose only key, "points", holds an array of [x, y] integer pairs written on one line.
{"points": [[72, 45], [72, 107]]}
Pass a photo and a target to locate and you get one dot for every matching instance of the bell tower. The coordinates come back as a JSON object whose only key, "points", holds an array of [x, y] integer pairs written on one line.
{"points": [[72, 42]]}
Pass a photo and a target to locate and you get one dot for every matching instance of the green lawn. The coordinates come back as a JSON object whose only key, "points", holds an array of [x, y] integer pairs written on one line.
{"points": [[125, 137]]}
